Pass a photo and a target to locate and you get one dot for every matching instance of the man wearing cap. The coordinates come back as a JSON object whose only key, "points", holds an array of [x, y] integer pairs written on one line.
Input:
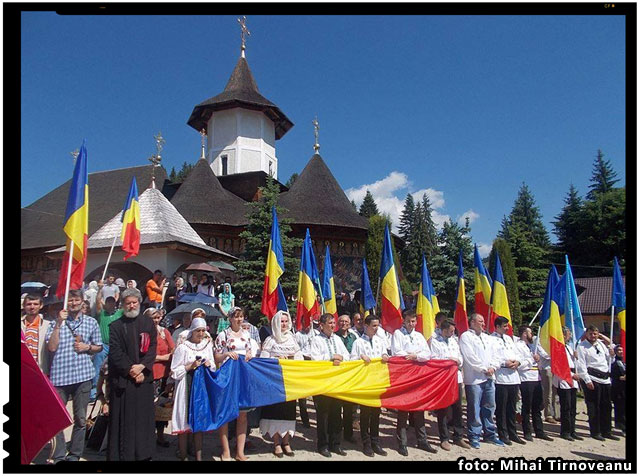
{"points": [[132, 354]]}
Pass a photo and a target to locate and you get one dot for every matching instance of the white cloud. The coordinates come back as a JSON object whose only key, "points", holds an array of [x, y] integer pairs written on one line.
{"points": [[473, 216], [484, 249], [389, 196]]}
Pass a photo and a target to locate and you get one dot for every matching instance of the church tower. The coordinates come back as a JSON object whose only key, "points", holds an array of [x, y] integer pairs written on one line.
{"points": [[241, 124]]}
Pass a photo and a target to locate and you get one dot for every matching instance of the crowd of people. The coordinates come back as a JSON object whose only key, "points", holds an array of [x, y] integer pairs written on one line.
{"points": [[110, 345]]}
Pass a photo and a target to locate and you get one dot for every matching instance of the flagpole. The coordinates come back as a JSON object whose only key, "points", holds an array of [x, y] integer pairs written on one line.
{"points": [[324, 310], [611, 330], [104, 273], [66, 292], [377, 295], [534, 317]]}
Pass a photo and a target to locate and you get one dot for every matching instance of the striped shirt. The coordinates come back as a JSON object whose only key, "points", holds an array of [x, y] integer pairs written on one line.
{"points": [[68, 366]]}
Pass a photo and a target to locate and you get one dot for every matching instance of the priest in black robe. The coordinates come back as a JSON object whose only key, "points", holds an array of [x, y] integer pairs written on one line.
{"points": [[132, 352]]}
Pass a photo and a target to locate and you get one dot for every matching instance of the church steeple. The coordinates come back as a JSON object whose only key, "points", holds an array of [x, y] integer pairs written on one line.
{"points": [[241, 124]]}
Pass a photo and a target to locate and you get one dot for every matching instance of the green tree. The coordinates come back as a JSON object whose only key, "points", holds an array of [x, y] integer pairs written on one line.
{"points": [[355, 207], [292, 179], [250, 268], [603, 177], [443, 266], [526, 213], [173, 175], [568, 227], [501, 247], [373, 248], [182, 174], [368, 208], [422, 240]]}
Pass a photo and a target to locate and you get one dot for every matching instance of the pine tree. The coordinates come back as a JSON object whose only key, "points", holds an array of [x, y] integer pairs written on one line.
{"points": [[526, 213], [443, 266], [373, 247], [355, 207], [423, 240], [368, 208], [172, 175], [603, 177], [501, 248], [406, 218], [568, 228], [250, 268], [292, 179]]}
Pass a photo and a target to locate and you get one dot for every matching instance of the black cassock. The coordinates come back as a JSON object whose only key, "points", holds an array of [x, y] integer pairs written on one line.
{"points": [[131, 409]]}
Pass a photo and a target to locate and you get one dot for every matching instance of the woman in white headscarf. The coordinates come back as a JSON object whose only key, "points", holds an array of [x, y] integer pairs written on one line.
{"points": [[196, 350], [279, 420], [90, 295]]}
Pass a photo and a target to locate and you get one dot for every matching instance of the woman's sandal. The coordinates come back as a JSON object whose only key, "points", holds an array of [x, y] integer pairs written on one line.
{"points": [[288, 453], [278, 455]]}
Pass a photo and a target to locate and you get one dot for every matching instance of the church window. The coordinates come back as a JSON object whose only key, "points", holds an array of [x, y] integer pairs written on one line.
{"points": [[225, 165], [271, 168]]}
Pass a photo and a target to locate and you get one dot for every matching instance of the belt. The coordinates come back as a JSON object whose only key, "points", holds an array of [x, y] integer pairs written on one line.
{"points": [[597, 373]]}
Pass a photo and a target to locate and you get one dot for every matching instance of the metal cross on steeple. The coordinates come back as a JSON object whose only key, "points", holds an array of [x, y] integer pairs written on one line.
{"points": [[75, 155], [156, 158], [316, 128], [203, 134], [244, 32]]}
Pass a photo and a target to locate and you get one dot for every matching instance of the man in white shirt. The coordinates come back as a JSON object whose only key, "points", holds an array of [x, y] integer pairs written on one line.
{"points": [[567, 393], [445, 346], [507, 382], [303, 338], [410, 344], [478, 366], [328, 346], [370, 346], [530, 386], [594, 365]]}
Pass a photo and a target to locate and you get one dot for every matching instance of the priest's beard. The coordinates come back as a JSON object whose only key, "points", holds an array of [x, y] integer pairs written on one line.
{"points": [[132, 314]]}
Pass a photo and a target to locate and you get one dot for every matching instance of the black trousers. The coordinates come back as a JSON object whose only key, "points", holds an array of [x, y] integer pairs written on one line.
{"points": [[416, 420], [598, 408], [567, 411], [619, 397], [506, 397], [329, 421], [532, 406], [304, 414], [455, 412], [369, 425], [347, 419]]}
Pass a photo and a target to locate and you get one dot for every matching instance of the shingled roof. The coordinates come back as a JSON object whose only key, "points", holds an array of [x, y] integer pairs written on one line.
{"points": [[316, 198], [596, 297], [160, 223], [241, 91], [41, 222], [202, 199]]}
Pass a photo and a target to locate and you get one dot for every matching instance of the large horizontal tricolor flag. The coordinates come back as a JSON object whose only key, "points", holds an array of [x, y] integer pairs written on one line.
{"points": [[76, 226], [460, 312], [273, 299], [307, 306], [550, 334], [392, 303], [367, 301], [619, 303], [482, 287], [499, 300], [572, 313], [427, 304], [217, 396], [131, 222], [328, 287]]}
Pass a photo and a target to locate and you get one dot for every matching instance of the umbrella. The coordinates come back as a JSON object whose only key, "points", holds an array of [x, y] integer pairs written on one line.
{"points": [[186, 308], [33, 284], [222, 265], [198, 297], [203, 267]]}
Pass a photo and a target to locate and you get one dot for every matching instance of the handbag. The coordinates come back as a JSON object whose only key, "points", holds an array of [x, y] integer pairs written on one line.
{"points": [[96, 429]]}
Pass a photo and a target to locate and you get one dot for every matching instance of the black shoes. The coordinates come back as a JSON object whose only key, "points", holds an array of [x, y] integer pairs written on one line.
{"points": [[325, 452], [403, 450], [597, 437], [564, 436], [425, 446], [339, 451], [528, 437], [517, 439], [545, 437], [576, 437], [368, 451], [609, 436], [378, 450], [506, 441]]}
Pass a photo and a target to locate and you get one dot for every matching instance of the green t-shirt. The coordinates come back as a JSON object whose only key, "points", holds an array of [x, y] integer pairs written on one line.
{"points": [[348, 341], [104, 320]]}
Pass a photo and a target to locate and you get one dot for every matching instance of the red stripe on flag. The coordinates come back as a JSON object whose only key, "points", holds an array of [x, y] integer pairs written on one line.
{"points": [[559, 363], [131, 242], [391, 315], [269, 301], [304, 316], [460, 319], [623, 343], [77, 271], [427, 385]]}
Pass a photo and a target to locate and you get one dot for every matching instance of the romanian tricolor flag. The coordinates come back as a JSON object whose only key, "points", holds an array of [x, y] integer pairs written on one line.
{"points": [[482, 287], [307, 295], [392, 303], [571, 313], [76, 226], [550, 334], [217, 396], [328, 287], [273, 299], [460, 312], [131, 222], [619, 303], [499, 301], [367, 301], [427, 305]]}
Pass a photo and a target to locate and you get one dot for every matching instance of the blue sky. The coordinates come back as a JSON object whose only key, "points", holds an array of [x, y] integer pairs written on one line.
{"points": [[464, 108]]}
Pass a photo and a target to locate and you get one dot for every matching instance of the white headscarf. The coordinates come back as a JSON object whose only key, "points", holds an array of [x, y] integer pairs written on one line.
{"points": [[197, 323], [276, 331]]}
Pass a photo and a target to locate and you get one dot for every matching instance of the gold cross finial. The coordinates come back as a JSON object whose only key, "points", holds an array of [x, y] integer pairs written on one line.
{"points": [[203, 134], [155, 159], [244, 32], [75, 155], [316, 128]]}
